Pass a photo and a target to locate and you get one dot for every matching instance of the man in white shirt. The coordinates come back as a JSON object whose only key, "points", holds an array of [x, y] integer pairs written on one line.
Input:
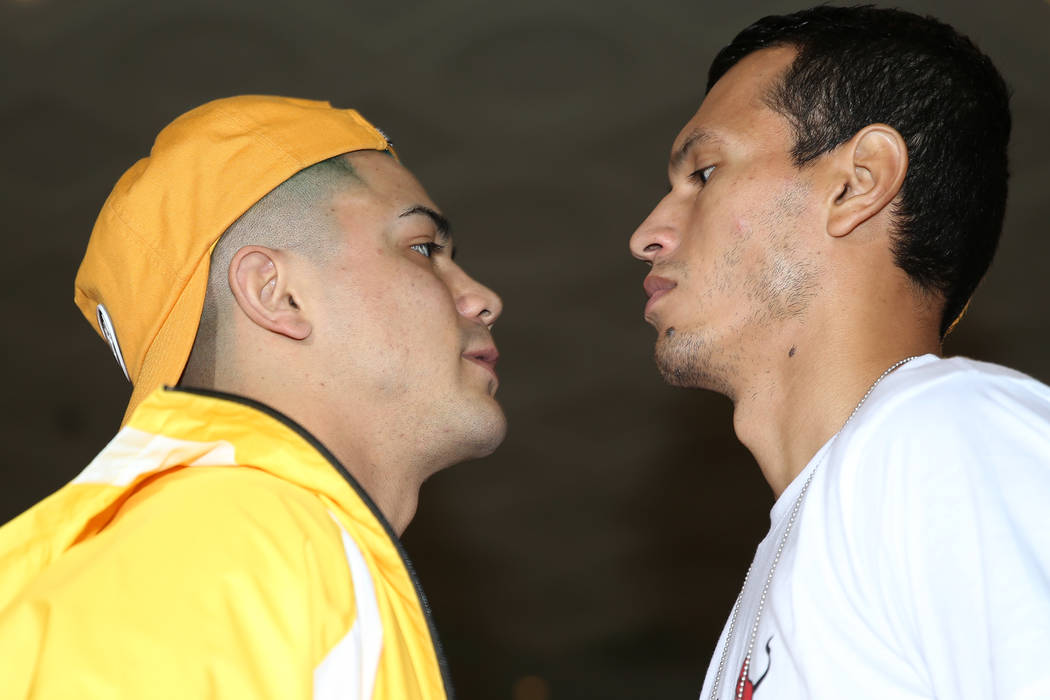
{"points": [[834, 203]]}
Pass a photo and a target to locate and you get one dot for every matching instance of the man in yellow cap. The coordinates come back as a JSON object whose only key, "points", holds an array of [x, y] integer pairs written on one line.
{"points": [[304, 353]]}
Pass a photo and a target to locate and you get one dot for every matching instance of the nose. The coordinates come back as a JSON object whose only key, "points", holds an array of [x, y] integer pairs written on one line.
{"points": [[656, 237], [476, 301]]}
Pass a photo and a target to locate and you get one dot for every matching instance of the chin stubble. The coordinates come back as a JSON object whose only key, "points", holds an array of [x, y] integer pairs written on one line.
{"points": [[686, 360]]}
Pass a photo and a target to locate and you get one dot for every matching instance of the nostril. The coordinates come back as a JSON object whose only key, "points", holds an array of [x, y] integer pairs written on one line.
{"points": [[652, 247]]}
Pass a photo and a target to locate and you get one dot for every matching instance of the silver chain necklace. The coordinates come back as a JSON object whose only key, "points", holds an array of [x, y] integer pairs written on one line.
{"points": [[742, 681]]}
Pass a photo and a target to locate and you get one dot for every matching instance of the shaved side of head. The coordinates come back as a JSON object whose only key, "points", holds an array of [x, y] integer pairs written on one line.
{"points": [[295, 216]]}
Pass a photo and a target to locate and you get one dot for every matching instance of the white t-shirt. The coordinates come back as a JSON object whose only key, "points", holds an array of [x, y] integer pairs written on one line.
{"points": [[919, 563]]}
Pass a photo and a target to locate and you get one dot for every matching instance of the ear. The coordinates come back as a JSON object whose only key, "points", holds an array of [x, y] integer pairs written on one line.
{"points": [[260, 283], [869, 174]]}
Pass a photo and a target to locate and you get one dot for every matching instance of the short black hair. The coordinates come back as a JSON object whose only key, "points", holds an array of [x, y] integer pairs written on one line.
{"points": [[863, 65]]}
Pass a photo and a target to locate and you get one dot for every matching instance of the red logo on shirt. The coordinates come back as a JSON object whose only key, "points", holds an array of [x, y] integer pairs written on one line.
{"points": [[744, 686]]}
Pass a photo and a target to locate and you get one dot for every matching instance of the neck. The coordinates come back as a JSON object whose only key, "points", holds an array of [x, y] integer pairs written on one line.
{"points": [[785, 415], [386, 469], [395, 494], [366, 444]]}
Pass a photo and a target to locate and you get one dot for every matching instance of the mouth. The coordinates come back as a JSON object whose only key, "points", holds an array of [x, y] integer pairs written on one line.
{"points": [[486, 357], [655, 288]]}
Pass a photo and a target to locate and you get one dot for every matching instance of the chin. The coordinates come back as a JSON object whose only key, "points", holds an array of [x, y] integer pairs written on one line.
{"points": [[467, 428], [472, 430], [489, 431], [687, 360]]}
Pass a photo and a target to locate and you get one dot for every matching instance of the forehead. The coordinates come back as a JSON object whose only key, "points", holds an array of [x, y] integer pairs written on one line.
{"points": [[385, 200], [735, 110], [386, 179]]}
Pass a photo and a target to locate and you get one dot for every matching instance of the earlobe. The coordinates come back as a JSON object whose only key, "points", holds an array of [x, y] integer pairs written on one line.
{"points": [[260, 284], [870, 172]]}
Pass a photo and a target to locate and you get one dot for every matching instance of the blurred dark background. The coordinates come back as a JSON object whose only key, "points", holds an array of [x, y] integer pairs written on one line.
{"points": [[596, 554]]}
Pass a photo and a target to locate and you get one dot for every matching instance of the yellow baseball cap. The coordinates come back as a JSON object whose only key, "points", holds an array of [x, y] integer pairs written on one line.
{"points": [[144, 275]]}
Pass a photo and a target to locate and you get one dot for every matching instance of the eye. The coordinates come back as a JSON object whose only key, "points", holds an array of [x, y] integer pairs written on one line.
{"points": [[702, 175], [427, 249]]}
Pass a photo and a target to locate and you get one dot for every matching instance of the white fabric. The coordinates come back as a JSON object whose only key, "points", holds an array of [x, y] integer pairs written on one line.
{"points": [[919, 564], [132, 453], [348, 671]]}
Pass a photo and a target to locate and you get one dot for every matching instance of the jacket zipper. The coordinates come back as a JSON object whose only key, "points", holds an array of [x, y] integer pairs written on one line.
{"points": [[323, 451]]}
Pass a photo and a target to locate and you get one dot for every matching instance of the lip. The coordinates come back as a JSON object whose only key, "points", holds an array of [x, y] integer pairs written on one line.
{"points": [[656, 287], [486, 357]]}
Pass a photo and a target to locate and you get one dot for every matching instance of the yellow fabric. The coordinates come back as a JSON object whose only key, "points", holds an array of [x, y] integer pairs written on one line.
{"points": [[147, 258], [204, 581]]}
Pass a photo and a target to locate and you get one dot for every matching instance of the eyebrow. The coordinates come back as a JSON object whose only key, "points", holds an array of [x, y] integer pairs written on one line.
{"points": [[444, 228], [695, 138]]}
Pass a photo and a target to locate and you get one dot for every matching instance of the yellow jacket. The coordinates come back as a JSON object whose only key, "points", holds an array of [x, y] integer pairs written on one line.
{"points": [[213, 549]]}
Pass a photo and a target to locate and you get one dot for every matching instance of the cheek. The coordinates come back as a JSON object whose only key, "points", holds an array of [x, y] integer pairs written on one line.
{"points": [[421, 313], [739, 236]]}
